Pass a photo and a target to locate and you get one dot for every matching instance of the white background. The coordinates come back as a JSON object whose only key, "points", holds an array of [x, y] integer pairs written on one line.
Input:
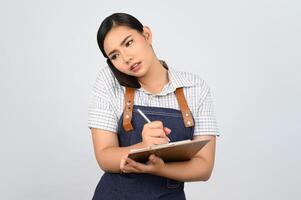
{"points": [[247, 51]]}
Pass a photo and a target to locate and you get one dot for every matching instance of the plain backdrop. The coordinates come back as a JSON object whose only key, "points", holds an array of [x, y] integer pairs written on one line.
{"points": [[247, 51]]}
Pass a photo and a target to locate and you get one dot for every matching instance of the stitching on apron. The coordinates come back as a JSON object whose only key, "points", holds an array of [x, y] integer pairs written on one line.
{"points": [[161, 113]]}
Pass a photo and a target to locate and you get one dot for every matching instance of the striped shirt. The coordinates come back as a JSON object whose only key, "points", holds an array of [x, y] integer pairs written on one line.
{"points": [[106, 104]]}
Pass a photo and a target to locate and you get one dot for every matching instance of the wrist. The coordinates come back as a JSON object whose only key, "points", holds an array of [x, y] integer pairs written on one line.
{"points": [[160, 169], [138, 145], [143, 144]]}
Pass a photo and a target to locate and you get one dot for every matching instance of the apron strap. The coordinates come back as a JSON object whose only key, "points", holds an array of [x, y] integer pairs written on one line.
{"points": [[129, 104], [128, 108], [188, 121]]}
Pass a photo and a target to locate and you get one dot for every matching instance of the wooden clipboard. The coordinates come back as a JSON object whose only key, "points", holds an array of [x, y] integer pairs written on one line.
{"points": [[170, 152]]}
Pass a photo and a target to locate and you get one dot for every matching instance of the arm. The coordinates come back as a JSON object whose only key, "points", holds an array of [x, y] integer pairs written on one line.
{"points": [[106, 146], [199, 168], [107, 151]]}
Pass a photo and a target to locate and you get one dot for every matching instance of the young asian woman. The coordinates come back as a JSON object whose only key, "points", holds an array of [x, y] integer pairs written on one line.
{"points": [[179, 105]]}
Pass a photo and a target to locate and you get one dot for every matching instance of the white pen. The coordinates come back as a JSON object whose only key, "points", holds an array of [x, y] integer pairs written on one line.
{"points": [[143, 115]]}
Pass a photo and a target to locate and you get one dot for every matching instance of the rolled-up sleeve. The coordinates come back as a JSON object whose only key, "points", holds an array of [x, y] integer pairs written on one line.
{"points": [[205, 120], [101, 113]]}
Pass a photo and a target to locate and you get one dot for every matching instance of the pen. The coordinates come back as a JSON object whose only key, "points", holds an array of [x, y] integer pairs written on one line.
{"points": [[143, 115]]}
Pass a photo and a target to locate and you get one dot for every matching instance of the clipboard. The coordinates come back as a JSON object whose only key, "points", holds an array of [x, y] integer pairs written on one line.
{"points": [[171, 152]]}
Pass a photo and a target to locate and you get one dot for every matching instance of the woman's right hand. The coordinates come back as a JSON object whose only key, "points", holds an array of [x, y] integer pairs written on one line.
{"points": [[154, 133]]}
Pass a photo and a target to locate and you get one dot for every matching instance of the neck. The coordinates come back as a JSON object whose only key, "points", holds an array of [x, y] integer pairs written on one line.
{"points": [[155, 79]]}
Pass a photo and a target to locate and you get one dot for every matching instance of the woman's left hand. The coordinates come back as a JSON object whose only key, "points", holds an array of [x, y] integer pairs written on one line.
{"points": [[153, 165]]}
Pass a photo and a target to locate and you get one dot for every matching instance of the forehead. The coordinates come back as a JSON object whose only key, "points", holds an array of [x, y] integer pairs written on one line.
{"points": [[115, 36]]}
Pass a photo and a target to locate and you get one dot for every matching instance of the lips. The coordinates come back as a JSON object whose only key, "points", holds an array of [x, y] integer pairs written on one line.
{"points": [[134, 65]]}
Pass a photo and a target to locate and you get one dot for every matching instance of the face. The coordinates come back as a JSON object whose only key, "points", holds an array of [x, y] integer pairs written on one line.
{"points": [[125, 47]]}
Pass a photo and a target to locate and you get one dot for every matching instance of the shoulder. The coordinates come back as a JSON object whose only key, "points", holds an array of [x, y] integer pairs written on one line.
{"points": [[197, 82], [105, 82], [106, 77], [195, 88]]}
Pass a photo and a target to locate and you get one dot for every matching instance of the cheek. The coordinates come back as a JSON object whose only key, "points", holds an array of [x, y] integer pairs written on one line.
{"points": [[142, 47], [121, 67], [144, 52]]}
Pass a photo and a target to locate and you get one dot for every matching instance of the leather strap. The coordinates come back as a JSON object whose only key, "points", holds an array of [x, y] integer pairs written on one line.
{"points": [[129, 103], [128, 108], [188, 121]]}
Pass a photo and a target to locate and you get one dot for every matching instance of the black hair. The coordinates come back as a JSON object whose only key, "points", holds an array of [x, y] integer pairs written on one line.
{"points": [[119, 19]]}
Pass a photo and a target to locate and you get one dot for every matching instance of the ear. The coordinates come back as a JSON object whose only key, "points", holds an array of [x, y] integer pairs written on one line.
{"points": [[147, 33]]}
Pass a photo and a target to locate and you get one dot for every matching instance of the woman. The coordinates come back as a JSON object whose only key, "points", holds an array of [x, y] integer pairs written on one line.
{"points": [[178, 104]]}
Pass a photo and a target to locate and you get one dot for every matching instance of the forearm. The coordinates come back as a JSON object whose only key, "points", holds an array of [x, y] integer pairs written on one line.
{"points": [[109, 158], [196, 169]]}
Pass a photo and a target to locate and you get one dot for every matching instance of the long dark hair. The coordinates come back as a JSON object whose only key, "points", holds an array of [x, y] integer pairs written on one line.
{"points": [[118, 19]]}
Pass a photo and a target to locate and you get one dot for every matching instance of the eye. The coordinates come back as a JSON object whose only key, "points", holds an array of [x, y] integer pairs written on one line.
{"points": [[113, 57], [129, 43]]}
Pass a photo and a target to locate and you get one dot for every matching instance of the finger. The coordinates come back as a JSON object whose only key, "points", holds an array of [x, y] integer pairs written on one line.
{"points": [[154, 159], [155, 124], [122, 163], [131, 162], [132, 167], [160, 140], [151, 157], [129, 169], [139, 166], [157, 133], [167, 130]]}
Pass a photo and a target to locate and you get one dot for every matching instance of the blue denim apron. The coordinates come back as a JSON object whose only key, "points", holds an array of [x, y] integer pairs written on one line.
{"points": [[136, 186]]}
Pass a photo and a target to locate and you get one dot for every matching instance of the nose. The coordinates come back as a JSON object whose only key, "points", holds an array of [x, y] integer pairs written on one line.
{"points": [[127, 58]]}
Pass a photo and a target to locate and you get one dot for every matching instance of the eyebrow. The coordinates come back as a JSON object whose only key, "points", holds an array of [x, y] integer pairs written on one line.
{"points": [[123, 41]]}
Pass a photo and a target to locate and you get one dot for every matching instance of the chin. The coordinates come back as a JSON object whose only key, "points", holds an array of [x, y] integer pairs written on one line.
{"points": [[142, 73], [138, 75]]}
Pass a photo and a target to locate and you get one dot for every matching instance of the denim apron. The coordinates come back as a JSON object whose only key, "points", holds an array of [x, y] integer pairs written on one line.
{"points": [[140, 186]]}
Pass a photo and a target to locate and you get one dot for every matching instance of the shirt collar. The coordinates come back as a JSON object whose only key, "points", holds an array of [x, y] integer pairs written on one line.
{"points": [[177, 79]]}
